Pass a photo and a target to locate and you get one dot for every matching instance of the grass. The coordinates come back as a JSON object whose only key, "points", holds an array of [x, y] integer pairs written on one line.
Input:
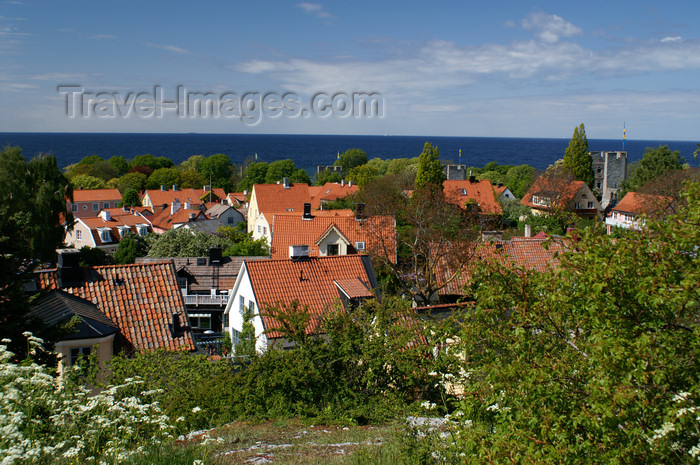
{"points": [[295, 443]]}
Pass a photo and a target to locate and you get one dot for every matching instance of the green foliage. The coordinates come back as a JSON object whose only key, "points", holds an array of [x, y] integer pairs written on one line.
{"points": [[85, 181], [512, 211], [183, 242], [241, 242], [519, 179], [591, 363], [92, 256], [221, 170], [163, 177], [130, 198], [402, 165], [97, 168], [351, 158], [120, 164], [300, 176], [150, 161], [345, 203], [246, 345], [380, 165], [129, 248], [255, 173], [192, 180], [362, 174], [654, 162], [577, 159], [327, 176], [278, 170], [194, 163], [429, 169], [132, 181]]}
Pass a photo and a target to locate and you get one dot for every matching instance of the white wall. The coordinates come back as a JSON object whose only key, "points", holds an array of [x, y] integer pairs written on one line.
{"points": [[243, 288]]}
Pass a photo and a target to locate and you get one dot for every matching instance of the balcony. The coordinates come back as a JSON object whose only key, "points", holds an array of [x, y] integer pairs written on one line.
{"points": [[209, 300]]}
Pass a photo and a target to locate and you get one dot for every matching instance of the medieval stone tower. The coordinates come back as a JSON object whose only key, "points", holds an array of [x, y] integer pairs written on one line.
{"points": [[610, 169]]}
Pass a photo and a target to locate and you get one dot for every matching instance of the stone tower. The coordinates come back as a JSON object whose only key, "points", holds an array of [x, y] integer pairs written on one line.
{"points": [[610, 169]]}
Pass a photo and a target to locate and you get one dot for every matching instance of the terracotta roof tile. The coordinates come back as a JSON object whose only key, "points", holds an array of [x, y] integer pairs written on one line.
{"points": [[140, 299], [96, 195], [165, 221], [559, 190], [291, 229], [160, 198], [310, 281], [460, 192], [647, 204]]}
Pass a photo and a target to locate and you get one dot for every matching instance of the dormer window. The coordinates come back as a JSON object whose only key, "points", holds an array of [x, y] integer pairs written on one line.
{"points": [[142, 230], [123, 231], [360, 246], [105, 234], [464, 192]]}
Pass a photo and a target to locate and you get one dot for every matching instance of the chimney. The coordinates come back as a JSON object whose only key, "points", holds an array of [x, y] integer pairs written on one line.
{"points": [[307, 212], [472, 178], [174, 206], [106, 216], [360, 215], [350, 183], [285, 181], [192, 217], [188, 205], [528, 230], [245, 193], [162, 187], [125, 208], [215, 256], [297, 252], [175, 187], [342, 182], [207, 188], [175, 327], [68, 268]]}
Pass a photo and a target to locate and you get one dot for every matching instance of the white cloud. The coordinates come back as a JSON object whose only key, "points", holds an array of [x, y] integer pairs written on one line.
{"points": [[549, 28], [315, 9], [671, 39], [170, 48]]}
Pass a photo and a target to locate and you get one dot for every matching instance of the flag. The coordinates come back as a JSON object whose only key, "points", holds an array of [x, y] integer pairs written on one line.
{"points": [[624, 130], [338, 155]]}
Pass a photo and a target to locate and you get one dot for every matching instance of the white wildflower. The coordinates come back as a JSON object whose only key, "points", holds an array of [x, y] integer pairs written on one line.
{"points": [[681, 396], [196, 409]]}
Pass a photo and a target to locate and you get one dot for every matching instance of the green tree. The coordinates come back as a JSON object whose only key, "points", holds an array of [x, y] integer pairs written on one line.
{"points": [[246, 345], [192, 179], [327, 176], [130, 199], [519, 179], [362, 174], [300, 176], [221, 169], [150, 161], [129, 248], [85, 181], [351, 158], [194, 163], [182, 242], [132, 181], [401, 165], [255, 173], [120, 164], [577, 159], [654, 162], [595, 362], [280, 169], [429, 168], [99, 169], [93, 256], [380, 165], [163, 177]]}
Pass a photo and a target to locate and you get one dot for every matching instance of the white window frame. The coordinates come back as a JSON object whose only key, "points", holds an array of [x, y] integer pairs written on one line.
{"points": [[360, 246]]}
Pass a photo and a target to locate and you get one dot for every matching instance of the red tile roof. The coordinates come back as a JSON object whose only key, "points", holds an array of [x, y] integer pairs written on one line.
{"points": [[646, 204], [499, 189], [330, 191], [124, 219], [557, 190], [291, 229], [140, 299], [159, 198], [96, 195], [310, 281], [165, 221], [530, 254], [273, 198], [460, 192]]}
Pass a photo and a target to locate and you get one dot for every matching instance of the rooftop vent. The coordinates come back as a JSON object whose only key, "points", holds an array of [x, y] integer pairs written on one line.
{"points": [[285, 181], [215, 255], [307, 211], [360, 215]]}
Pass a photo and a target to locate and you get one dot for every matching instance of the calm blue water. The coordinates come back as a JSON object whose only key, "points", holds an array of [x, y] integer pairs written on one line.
{"points": [[307, 151]]}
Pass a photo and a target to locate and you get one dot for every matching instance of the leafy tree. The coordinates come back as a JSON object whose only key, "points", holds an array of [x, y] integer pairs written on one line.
{"points": [[577, 159], [100, 169], [32, 206], [327, 176], [655, 161], [242, 243], [380, 165], [163, 177], [85, 181], [671, 183], [150, 161], [255, 173], [194, 163], [120, 164], [130, 247], [182, 242], [594, 362], [400, 165], [300, 176], [145, 170], [221, 169], [429, 169], [278, 170], [246, 345], [519, 179], [362, 174], [130, 198], [192, 179], [93, 256], [132, 181], [351, 158]]}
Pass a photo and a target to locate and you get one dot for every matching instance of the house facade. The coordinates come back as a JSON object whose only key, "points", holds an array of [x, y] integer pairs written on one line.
{"points": [[630, 212], [318, 284], [549, 193], [107, 230], [88, 203]]}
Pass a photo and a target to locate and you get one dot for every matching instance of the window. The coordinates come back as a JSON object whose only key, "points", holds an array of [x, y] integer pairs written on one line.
{"points": [[230, 220], [235, 337], [590, 204], [85, 207], [142, 230], [225, 320], [95, 207], [264, 231], [76, 352], [577, 205], [360, 246], [200, 320], [259, 229], [332, 249], [78, 234], [74, 208], [106, 205], [241, 304], [105, 235], [464, 192]]}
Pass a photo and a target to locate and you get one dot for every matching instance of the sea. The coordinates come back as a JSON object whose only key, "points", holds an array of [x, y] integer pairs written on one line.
{"points": [[309, 151]]}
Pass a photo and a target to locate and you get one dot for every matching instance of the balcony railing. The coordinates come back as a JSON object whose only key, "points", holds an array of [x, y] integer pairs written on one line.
{"points": [[197, 300]]}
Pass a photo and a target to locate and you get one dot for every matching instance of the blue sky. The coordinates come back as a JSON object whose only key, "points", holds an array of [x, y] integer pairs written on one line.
{"points": [[499, 68]]}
